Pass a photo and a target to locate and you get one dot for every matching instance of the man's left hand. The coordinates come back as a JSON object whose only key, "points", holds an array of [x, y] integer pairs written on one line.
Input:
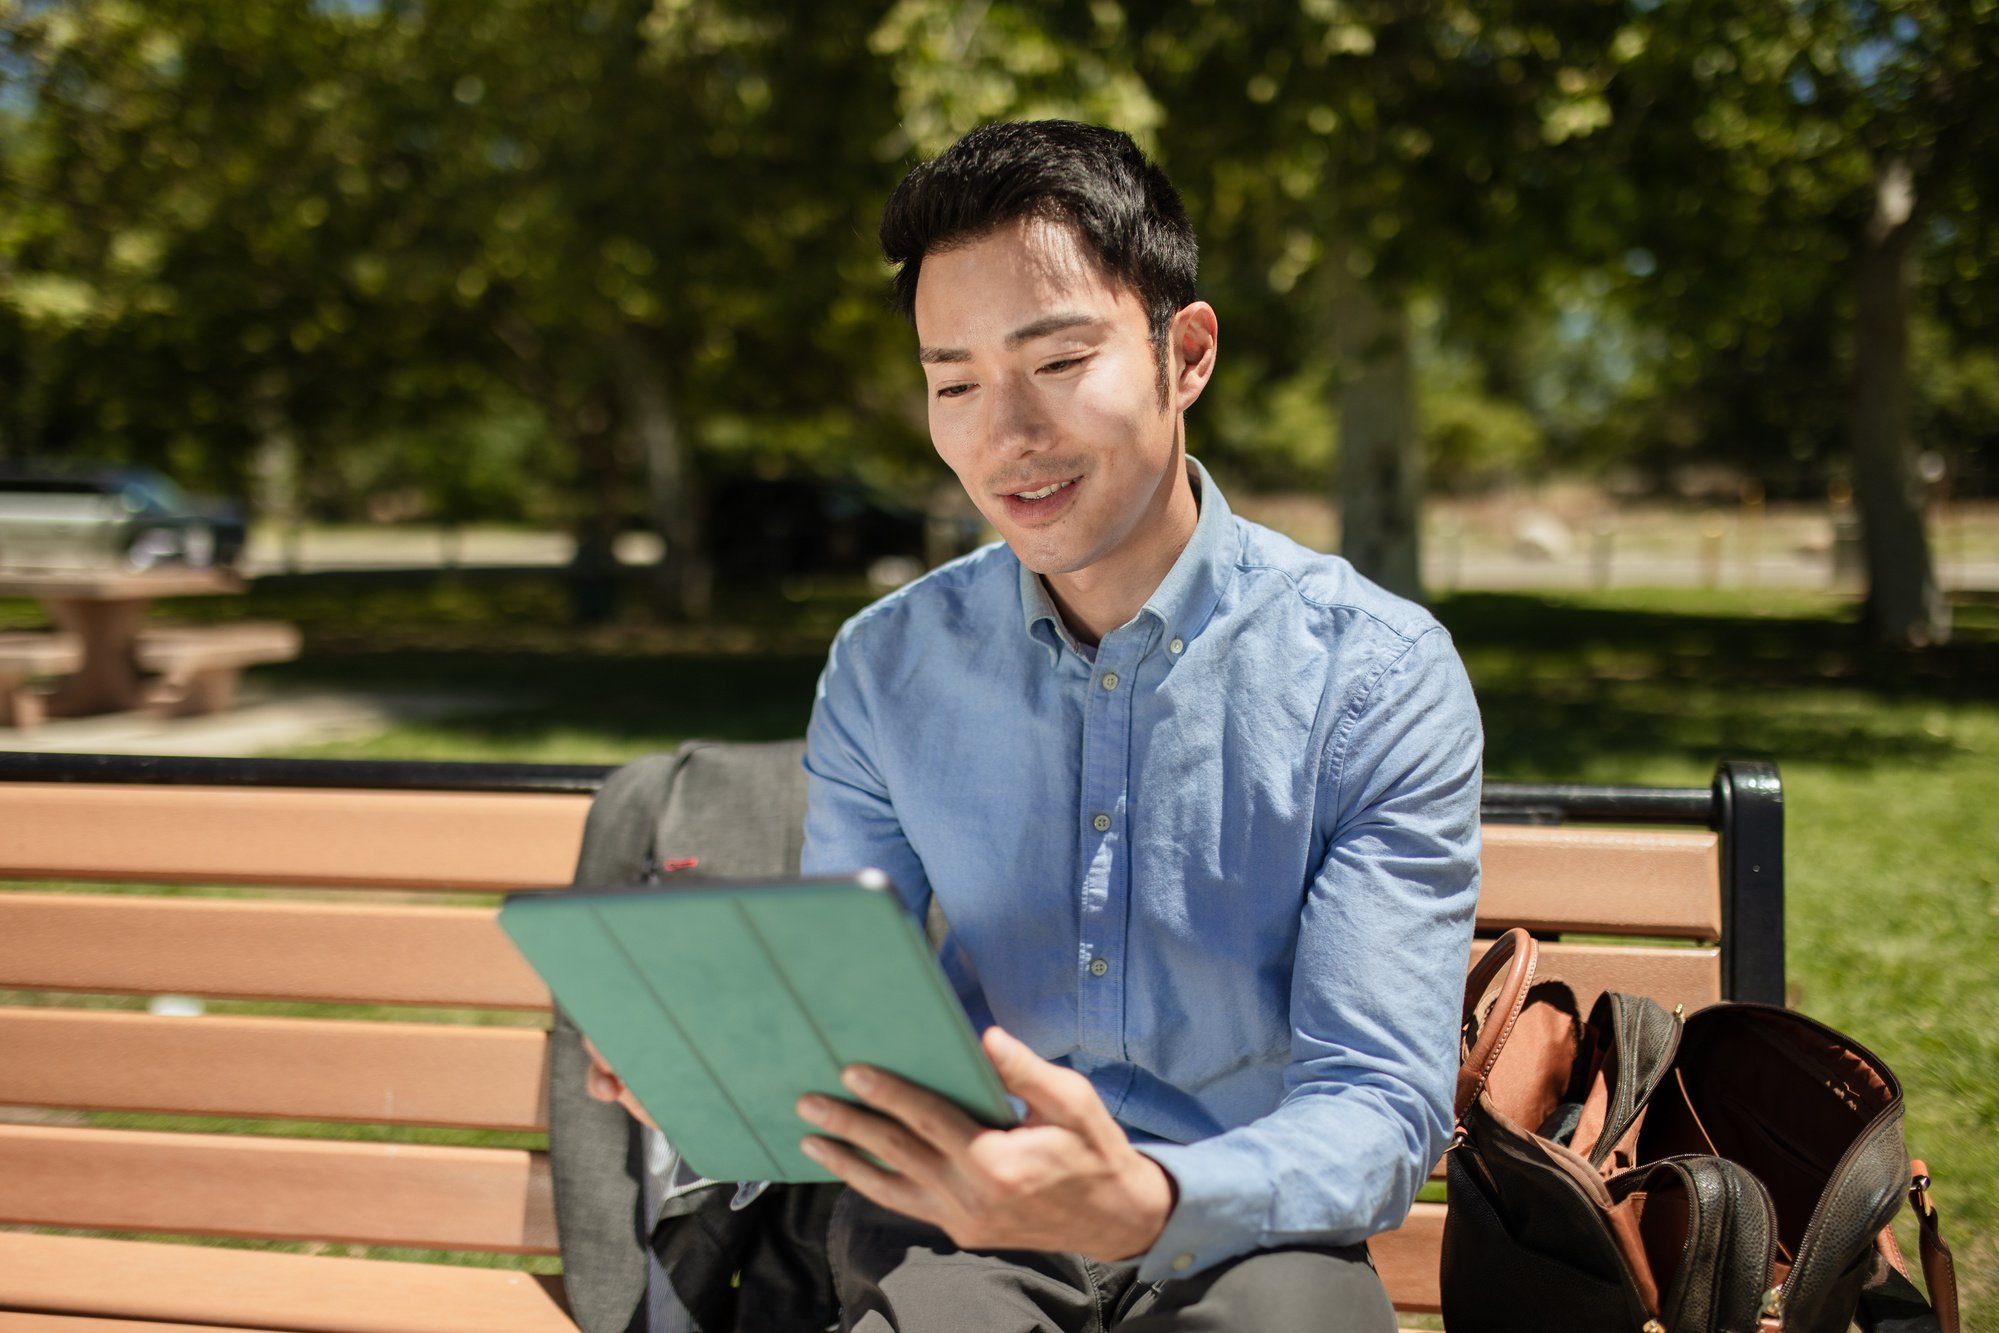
{"points": [[1065, 1178]]}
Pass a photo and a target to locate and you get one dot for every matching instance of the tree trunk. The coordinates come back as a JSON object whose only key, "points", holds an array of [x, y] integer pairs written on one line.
{"points": [[593, 573], [1380, 461], [276, 471], [1905, 607], [683, 582]]}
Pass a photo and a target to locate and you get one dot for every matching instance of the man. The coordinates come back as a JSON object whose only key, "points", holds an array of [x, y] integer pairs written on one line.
{"points": [[1200, 806]]}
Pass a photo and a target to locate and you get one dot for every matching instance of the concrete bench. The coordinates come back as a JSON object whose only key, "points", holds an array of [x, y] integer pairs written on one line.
{"points": [[1679, 892], [27, 655], [197, 666]]}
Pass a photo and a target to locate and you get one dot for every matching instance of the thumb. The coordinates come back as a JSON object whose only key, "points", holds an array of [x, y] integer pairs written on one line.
{"points": [[1052, 1093]]}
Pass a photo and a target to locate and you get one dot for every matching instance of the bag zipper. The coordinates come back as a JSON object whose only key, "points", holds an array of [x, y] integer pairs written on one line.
{"points": [[1770, 1319]]}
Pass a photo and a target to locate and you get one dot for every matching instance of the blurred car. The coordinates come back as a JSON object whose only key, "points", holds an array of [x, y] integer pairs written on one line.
{"points": [[111, 518], [788, 527]]}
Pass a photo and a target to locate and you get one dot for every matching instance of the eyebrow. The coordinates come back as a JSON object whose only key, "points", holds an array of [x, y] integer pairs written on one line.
{"points": [[1026, 333]]}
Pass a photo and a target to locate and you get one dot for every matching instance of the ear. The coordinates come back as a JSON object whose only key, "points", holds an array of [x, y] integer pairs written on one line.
{"points": [[1192, 339]]}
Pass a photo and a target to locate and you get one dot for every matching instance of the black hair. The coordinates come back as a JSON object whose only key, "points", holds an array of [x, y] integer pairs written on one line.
{"points": [[1095, 180]]}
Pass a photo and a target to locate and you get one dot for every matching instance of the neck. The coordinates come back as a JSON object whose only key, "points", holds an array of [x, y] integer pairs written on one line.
{"points": [[1096, 600]]}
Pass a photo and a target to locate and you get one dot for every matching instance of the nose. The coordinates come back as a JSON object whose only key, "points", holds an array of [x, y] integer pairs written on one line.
{"points": [[1016, 425]]}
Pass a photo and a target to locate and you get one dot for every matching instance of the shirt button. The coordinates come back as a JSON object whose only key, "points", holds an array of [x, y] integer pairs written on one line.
{"points": [[1102, 823], [1175, 646], [1098, 967], [1182, 1262], [1110, 680]]}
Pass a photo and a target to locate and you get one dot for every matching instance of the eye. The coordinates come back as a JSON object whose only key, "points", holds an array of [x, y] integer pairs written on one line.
{"points": [[954, 391], [1061, 364]]}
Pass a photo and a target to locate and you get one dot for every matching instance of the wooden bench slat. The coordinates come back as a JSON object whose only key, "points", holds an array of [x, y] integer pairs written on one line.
{"points": [[1653, 882], [490, 1078], [1689, 976], [298, 1293], [12, 1322], [486, 841], [1406, 1258], [373, 954], [393, 954], [392, 1073], [1608, 881], [290, 1189]]}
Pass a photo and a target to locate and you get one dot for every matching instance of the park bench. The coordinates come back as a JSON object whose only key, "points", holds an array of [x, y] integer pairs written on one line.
{"points": [[1672, 892]]}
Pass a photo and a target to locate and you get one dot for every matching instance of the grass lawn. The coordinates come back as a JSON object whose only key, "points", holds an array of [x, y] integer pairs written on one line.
{"points": [[1890, 765]]}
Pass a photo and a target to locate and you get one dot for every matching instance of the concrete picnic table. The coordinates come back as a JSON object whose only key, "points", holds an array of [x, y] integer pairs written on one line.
{"points": [[103, 613]]}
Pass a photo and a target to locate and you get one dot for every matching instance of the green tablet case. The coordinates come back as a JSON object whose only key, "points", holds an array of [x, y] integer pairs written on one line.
{"points": [[719, 1003]]}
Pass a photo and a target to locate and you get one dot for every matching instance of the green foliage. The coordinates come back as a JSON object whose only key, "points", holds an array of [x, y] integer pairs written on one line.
{"points": [[959, 65], [1266, 427], [385, 240], [1956, 403], [1473, 441], [1753, 138]]}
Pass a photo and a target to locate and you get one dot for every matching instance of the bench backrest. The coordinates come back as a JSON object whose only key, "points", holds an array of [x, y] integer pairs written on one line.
{"points": [[385, 998]]}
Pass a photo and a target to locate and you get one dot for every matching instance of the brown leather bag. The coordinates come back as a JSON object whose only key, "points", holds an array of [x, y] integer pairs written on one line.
{"points": [[1735, 1172]]}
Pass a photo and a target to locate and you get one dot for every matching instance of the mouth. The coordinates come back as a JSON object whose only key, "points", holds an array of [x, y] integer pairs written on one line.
{"points": [[1039, 502]]}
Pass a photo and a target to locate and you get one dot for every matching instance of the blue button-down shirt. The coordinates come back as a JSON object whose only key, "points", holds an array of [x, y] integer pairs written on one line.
{"points": [[1225, 865]]}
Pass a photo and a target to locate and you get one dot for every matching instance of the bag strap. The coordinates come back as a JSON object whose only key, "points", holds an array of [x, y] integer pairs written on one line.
{"points": [[1891, 1304], [1518, 953], [1939, 1270]]}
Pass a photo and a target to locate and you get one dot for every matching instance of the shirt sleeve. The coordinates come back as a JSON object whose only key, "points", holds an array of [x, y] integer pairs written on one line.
{"points": [[1376, 989], [850, 822]]}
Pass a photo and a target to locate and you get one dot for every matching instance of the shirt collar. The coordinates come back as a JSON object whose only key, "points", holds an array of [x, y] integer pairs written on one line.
{"points": [[1184, 599]]}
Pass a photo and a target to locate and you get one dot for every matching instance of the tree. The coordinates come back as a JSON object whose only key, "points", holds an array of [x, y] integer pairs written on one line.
{"points": [[1840, 150], [1372, 153], [278, 227], [193, 199], [655, 208]]}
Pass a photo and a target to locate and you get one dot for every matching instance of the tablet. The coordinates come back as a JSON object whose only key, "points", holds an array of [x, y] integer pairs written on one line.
{"points": [[719, 1002]]}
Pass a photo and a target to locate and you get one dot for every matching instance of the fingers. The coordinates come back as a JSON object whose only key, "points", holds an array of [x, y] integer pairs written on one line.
{"points": [[604, 1085], [896, 1145], [1055, 1095], [884, 1187], [931, 1118], [600, 1080]]}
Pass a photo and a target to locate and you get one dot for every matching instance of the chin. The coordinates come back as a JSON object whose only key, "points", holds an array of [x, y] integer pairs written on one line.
{"points": [[1047, 563]]}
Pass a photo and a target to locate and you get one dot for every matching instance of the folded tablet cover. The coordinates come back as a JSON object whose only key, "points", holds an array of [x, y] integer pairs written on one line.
{"points": [[719, 1003]]}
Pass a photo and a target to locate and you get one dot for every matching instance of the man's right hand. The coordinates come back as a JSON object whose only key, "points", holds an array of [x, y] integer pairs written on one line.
{"points": [[604, 1084]]}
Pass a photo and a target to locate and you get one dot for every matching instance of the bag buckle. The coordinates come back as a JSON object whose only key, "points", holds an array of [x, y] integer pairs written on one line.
{"points": [[1919, 1190]]}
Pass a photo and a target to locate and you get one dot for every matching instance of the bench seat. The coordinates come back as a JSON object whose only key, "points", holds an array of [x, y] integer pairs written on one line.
{"points": [[442, 1024]]}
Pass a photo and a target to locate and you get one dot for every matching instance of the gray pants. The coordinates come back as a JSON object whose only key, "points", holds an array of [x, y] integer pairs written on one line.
{"points": [[897, 1274]]}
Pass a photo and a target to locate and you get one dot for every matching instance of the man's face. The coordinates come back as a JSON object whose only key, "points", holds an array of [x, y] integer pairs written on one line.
{"points": [[1044, 395]]}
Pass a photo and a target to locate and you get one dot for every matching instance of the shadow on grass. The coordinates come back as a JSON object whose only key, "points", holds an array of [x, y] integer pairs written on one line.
{"points": [[635, 702], [1572, 685], [1588, 684]]}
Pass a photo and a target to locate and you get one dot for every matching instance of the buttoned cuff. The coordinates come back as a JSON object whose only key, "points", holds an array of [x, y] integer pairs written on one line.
{"points": [[1218, 1212]]}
